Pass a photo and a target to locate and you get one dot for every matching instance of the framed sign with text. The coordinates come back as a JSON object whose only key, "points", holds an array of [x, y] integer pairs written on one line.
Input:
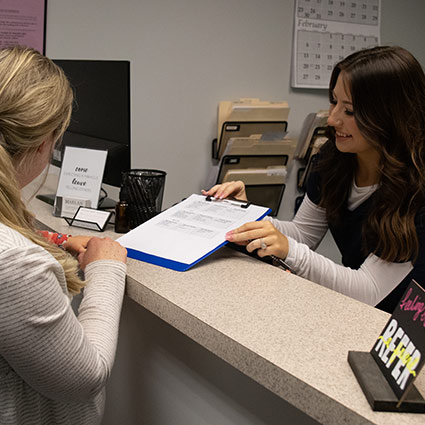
{"points": [[80, 180], [400, 349], [387, 372], [23, 22]]}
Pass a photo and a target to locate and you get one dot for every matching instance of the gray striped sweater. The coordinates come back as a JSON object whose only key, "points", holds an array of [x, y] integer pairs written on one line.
{"points": [[54, 365]]}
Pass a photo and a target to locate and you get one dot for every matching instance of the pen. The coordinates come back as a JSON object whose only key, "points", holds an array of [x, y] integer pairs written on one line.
{"points": [[233, 201], [283, 264]]}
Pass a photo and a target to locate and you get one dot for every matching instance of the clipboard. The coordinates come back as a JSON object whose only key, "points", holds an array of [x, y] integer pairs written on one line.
{"points": [[185, 234]]}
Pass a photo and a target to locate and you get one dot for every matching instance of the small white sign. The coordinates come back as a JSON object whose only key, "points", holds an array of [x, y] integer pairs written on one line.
{"points": [[80, 180], [89, 218]]}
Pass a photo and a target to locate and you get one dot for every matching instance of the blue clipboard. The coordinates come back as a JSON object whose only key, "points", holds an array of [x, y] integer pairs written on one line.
{"points": [[147, 253], [164, 262]]}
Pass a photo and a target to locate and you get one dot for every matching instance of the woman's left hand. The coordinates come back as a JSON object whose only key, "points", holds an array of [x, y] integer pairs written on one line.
{"points": [[76, 244], [260, 235]]}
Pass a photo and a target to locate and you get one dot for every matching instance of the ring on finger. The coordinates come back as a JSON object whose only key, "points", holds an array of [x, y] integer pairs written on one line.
{"points": [[263, 245]]}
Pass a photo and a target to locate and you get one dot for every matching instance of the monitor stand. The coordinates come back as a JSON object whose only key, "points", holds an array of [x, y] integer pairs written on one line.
{"points": [[105, 204]]}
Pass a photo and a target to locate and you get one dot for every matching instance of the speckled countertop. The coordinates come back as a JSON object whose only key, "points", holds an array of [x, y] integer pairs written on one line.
{"points": [[288, 334]]}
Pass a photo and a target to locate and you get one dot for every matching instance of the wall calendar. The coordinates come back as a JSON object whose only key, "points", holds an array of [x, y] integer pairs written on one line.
{"points": [[326, 31]]}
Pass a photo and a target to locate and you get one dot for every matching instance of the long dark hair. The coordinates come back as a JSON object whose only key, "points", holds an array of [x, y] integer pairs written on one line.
{"points": [[387, 86]]}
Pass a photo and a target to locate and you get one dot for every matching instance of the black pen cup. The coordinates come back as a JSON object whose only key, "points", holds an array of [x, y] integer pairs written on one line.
{"points": [[145, 190]]}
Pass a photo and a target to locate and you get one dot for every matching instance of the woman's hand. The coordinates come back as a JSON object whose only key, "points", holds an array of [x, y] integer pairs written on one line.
{"points": [[235, 189], [76, 244], [102, 249], [260, 235]]}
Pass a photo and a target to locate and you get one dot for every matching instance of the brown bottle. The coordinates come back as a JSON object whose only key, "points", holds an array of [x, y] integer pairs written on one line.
{"points": [[122, 219]]}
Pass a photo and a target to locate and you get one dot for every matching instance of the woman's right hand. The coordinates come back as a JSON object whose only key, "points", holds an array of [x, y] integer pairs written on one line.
{"points": [[235, 189], [102, 249]]}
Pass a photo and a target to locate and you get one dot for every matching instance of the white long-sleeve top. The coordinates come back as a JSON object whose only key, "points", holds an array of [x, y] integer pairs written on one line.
{"points": [[371, 283], [54, 365]]}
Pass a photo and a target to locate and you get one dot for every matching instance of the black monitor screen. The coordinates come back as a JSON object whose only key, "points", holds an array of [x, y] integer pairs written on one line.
{"points": [[101, 113]]}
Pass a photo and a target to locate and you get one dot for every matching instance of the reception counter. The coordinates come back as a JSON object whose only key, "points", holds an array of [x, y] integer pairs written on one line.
{"points": [[287, 334]]}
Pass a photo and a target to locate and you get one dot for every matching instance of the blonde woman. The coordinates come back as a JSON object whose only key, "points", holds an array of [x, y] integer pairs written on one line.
{"points": [[53, 364]]}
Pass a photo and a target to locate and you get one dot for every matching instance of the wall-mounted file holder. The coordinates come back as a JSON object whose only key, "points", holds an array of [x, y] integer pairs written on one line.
{"points": [[264, 177], [265, 131], [312, 122], [257, 153], [250, 110]]}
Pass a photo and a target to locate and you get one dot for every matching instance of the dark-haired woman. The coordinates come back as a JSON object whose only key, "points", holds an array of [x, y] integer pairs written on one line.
{"points": [[367, 188]]}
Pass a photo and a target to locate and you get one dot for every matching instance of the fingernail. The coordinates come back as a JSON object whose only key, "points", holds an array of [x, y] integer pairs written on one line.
{"points": [[229, 235]]}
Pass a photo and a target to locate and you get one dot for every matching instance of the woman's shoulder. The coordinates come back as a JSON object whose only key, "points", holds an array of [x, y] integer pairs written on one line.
{"points": [[11, 237], [11, 241], [24, 256]]}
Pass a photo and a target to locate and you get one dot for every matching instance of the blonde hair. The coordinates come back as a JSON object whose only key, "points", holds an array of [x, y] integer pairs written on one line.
{"points": [[35, 103]]}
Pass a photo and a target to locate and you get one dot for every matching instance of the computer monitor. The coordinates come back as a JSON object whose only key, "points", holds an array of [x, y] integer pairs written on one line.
{"points": [[101, 112]]}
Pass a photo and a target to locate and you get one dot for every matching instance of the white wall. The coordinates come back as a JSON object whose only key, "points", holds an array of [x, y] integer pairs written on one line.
{"points": [[188, 55]]}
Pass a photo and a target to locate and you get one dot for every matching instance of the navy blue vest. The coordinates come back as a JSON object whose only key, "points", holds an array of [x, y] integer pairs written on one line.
{"points": [[348, 238]]}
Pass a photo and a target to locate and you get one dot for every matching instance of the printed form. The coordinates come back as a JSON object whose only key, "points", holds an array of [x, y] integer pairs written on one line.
{"points": [[188, 231]]}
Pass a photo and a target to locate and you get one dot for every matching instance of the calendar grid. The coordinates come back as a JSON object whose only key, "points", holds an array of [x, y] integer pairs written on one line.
{"points": [[365, 12], [320, 41], [318, 52]]}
